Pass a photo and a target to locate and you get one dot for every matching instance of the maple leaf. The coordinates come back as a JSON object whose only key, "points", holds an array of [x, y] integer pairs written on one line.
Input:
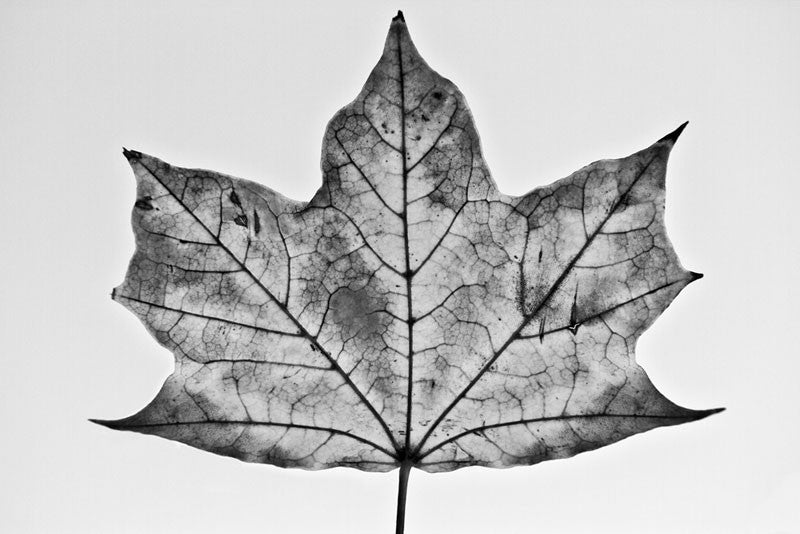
{"points": [[409, 315]]}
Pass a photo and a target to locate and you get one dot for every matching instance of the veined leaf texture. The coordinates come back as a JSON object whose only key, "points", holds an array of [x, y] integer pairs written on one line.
{"points": [[409, 314]]}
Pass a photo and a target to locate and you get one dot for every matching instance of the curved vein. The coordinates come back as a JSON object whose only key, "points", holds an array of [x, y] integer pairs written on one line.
{"points": [[556, 418], [262, 423]]}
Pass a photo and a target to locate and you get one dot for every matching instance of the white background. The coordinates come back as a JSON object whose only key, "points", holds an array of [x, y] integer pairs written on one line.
{"points": [[247, 88]]}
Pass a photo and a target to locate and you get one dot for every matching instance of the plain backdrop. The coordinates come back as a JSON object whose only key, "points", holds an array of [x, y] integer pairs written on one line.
{"points": [[246, 88]]}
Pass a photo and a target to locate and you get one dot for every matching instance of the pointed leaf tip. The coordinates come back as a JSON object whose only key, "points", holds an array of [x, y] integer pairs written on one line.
{"points": [[696, 276], [696, 415], [131, 154], [673, 136], [101, 422], [113, 424], [399, 17], [712, 411]]}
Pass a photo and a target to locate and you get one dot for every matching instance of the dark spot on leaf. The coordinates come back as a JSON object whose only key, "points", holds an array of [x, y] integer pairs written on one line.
{"points": [[623, 201], [540, 255], [356, 312], [256, 222], [235, 199], [418, 137], [144, 203], [437, 95], [241, 220], [573, 314]]}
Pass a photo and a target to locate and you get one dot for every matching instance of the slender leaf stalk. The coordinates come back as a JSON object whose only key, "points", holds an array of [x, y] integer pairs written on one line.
{"points": [[402, 490]]}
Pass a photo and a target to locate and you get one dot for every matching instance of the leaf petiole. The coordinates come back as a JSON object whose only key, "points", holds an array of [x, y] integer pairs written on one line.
{"points": [[402, 490]]}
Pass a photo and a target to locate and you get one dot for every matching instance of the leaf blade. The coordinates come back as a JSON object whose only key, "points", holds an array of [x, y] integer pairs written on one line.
{"points": [[410, 309]]}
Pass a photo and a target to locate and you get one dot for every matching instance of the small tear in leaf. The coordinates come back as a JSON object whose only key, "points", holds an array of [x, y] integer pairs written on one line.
{"points": [[573, 314]]}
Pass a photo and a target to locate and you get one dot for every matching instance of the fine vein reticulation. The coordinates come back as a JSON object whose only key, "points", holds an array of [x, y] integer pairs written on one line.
{"points": [[409, 315]]}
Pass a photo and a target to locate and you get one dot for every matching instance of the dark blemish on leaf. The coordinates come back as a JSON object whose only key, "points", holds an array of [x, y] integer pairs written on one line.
{"points": [[425, 118], [573, 314], [541, 330], [521, 287], [256, 222], [623, 202], [418, 137], [540, 255], [144, 203], [437, 95], [235, 199], [241, 220], [313, 348], [355, 312]]}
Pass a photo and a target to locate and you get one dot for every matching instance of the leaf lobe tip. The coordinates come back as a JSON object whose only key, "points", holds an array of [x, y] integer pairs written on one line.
{"points": [[673, 136], [131, 154]]}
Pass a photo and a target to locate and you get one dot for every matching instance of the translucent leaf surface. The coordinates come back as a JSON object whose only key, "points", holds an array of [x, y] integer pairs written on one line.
{"points": [[410, 314]]}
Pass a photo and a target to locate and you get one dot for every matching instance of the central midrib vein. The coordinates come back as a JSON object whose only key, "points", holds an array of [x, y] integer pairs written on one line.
{"points": [[408, 275]]}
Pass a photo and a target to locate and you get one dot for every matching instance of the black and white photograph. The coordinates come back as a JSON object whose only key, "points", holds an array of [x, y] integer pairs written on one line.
{"points": [[430, 267]]}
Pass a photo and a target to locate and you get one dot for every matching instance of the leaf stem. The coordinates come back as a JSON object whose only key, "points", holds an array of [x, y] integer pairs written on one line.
{"points": [[402, 490]]}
